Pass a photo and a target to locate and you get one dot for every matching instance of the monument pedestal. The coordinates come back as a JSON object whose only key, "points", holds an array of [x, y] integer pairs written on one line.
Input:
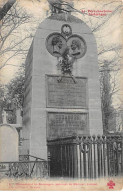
{"points": [[55, 109]]}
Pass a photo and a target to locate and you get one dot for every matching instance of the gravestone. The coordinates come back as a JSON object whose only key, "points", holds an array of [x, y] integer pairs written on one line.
{"points": [[62, 90], [8, 143]]}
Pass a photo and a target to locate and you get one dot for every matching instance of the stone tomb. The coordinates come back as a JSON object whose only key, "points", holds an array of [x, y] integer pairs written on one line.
{"points": [[8, 144], [62, 90]]}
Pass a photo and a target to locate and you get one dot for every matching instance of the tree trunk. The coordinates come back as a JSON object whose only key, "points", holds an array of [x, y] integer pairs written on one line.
{"points": [[6, 8]]}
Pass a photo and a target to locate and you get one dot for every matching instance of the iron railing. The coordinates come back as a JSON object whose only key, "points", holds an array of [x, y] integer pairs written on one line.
{"points": [[25, 168], [73, 157], [86, 157]]}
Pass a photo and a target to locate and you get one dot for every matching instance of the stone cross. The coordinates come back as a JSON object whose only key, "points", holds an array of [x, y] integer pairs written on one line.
{"points": [[4, 117]]}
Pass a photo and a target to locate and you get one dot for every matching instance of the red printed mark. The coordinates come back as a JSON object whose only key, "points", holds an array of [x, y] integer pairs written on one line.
{"points": [[111, 184]]}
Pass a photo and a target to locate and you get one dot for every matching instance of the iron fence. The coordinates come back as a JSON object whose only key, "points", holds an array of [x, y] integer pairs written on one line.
{"points": [[86, 157], [24, 169], [73, 157]]}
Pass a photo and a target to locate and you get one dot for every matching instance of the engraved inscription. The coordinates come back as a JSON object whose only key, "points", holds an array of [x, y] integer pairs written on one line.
{"points": [[66, 124], [66, 94]]}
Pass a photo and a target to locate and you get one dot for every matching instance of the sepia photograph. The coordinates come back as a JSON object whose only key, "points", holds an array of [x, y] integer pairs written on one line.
{"points": [[61, 95]]}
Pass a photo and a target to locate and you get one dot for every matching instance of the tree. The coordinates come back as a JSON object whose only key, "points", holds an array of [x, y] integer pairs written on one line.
{"points": [[108, 89], [11, 42], [1, 101], [11, 96], [6, 8], [15, 90]]}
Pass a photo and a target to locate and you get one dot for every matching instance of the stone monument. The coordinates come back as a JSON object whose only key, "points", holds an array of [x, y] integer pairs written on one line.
{"points": [[8, 144], [62, 90]]}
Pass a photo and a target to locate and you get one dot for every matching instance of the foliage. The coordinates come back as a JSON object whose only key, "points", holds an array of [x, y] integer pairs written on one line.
{"points": [[15, 91], [1, 101], [107, 92]]}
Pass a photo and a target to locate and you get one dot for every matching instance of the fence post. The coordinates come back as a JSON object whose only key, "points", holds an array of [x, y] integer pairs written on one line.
{"points": [[75, 161], [48, 157], [78, 156]]}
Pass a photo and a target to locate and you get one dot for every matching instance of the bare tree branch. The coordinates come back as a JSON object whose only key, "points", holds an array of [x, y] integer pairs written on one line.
{"points": [[6, 8]]}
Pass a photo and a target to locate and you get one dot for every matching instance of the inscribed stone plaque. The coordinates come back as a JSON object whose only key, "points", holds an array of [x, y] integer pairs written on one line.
{"points": [[66, 94], [66, 124]]}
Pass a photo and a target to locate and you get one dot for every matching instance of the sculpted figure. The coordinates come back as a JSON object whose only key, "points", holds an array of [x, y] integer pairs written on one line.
{"points": [[75, 48], [67, 47], [57, 44]]}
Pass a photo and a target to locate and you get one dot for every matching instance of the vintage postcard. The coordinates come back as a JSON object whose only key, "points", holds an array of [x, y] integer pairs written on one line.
{"points": [[61, 95]]}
